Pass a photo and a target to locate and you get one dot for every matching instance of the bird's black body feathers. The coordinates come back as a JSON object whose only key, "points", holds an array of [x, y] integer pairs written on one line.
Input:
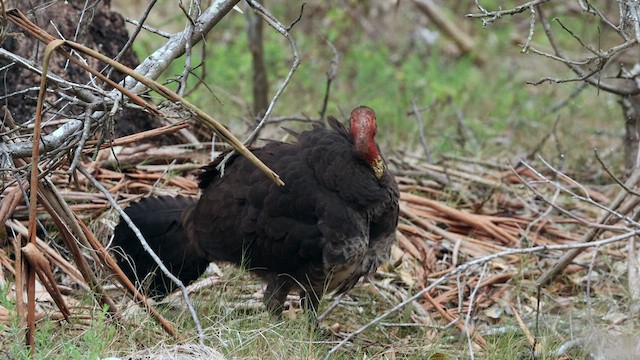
{"points": [[333, 222]]}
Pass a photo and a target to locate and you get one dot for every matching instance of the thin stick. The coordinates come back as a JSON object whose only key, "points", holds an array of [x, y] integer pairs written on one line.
{"points": [[530, 338], [18, 267], [331, 74], [467, 321], [612, 176], [284, 31], [124, 217], [567, 258], [33, 200], [113, 265], [423, 138], [334, 304]]}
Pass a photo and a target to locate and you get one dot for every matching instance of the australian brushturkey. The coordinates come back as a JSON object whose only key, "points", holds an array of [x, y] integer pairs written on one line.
{"points": [[333, 222]]}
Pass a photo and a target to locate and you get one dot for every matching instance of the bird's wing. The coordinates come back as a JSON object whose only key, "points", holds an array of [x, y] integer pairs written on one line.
{"points": [[344, 245], [382, 230]]}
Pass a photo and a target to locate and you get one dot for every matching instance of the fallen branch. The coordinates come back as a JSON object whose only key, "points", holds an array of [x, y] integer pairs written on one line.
{"points": [[57, 139]]}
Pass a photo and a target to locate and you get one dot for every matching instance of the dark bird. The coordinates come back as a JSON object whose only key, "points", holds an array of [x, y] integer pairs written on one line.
{"points": [[332, 223]]}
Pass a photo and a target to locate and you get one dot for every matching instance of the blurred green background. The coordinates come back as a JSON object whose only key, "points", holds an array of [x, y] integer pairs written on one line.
{"points": [[477, 104]]}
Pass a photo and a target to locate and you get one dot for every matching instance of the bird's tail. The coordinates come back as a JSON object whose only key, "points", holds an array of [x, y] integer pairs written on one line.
{"points": [[160, 220]]}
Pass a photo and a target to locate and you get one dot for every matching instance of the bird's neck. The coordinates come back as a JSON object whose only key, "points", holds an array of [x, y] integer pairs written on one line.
{"points": [[367, 150]]}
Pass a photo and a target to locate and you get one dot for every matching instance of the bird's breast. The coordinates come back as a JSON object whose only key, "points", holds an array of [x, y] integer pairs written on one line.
{"points": [[344, 274]]}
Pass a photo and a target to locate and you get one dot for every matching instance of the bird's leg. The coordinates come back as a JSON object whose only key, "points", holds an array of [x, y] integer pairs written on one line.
{"points": [[278, 288], [310, 299]]}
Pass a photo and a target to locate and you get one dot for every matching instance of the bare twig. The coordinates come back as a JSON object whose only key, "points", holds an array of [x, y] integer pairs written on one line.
{"points": [[57, 139], [467, 320], [31, 66], [331, 74], [334, 304], [191, 14], [423, 138], [613, 177], [157, 62], [591, 234], [488, 17], [150, 29], [597, 225], [589, 69], [601, 57], [532, 27], [294, 118], [86, 132], [284, 31], [537, 148]]}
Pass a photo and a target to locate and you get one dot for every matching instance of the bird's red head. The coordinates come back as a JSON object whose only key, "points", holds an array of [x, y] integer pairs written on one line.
{"points": [[363, 131]]}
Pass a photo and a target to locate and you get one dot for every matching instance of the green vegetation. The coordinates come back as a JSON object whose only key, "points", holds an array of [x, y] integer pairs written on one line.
{"points": [[236, 324], [506, 117], [81, 339]]}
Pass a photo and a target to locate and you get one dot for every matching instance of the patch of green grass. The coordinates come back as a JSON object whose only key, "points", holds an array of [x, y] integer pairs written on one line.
{"points": [[237, 324], [513, 344], [58, 340]]}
